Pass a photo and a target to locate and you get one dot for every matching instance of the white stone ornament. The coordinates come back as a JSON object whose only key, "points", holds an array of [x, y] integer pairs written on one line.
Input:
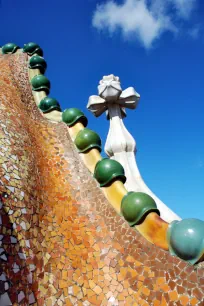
{"points": [[109, 88], [120, 145], [110, 92]]}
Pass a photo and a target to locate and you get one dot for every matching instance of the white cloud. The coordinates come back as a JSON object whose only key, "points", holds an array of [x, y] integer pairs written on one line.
{"points": [[184, 7], [145, 20]]}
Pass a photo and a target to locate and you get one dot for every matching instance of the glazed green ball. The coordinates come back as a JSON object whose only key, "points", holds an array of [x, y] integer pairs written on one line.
{"points": [[40, 82], [9, 48], [49, 104], [136, 205], [186, 239], [87, 139], [107, 171], [32, 48], [38, 62], [73, 115]]}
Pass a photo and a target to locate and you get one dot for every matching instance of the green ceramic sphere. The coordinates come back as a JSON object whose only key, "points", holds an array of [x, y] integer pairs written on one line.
{"points": [[87, 139], [40, 82], [186, 239], [38, 62], [136, 205], [73, 115], [107, 171], [49, 104], [9, 48], [32, 48]]}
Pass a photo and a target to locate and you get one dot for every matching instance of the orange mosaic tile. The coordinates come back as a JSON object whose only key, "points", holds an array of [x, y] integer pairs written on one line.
{"points": [[61, 242]]}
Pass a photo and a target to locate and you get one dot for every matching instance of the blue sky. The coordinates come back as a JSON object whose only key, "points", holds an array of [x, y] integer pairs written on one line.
{"points": [[157, 47]]}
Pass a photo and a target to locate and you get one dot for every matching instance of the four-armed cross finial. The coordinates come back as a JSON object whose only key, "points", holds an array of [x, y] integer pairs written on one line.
{"points": [[110, 92]]}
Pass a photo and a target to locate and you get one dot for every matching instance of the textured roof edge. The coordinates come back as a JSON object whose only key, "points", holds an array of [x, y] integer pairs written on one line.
{"points": [[137, 208]]}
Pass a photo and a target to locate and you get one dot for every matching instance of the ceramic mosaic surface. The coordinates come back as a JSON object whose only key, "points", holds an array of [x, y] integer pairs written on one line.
{"points": [[61, 242]]}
